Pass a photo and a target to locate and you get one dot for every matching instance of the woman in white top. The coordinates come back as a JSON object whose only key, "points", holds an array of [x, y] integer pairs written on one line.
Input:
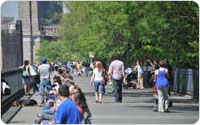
{"points": [[140, 77], [26, 76], [97, 79]]}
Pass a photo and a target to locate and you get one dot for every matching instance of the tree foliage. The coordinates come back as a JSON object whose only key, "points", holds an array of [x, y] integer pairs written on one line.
{"points": [[133, 30]]}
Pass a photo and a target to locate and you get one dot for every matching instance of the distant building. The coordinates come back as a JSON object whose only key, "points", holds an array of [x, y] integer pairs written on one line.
{"points": [[38, 24], [40, 20], [11, 43]]}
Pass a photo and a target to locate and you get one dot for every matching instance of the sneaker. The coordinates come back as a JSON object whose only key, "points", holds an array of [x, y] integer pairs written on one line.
{"points": [[40, 105], [167, 110], [155, 110], [161, 111], [39, 115], [37, 121]]}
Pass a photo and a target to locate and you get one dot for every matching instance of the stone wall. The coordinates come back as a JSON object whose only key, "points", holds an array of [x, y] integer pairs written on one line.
{"points": [[28, 13]]}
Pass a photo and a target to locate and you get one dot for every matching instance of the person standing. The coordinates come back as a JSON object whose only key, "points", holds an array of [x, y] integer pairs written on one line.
{"points": [[170, 78], [26, 76], [33, 74], [79, 68], [87, 67], [44, 72], [117, 73], [91, 68], [139, 76], [67, 112], [162, 87], [97, 78]]}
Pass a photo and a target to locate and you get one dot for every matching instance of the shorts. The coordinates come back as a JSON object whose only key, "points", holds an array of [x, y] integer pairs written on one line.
{"points": [[25, 80], [139, 75], [99, 87]]}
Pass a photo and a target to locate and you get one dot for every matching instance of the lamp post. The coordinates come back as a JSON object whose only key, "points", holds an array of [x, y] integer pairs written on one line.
{"points": [[31, 32], [91, 57]]}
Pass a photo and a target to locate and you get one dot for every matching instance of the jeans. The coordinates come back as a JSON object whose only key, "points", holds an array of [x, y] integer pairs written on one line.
{"points": [[117, 87], [86, 72], [99, 88], [163, 99], [44, 117], [47, 109], [47, 106], [26, 80], [44, 84]]}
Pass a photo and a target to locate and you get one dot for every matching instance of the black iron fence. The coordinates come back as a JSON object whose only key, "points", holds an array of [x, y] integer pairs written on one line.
{"points": [[184, 81], [12, 57], [14, 79]]}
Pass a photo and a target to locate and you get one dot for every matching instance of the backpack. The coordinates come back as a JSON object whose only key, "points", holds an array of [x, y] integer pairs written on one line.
{"points": [[25, 73]]}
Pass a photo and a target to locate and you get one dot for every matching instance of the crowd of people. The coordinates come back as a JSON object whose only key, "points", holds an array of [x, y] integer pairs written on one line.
{"points": [[80, 68], [63, 100], [116, 74]]}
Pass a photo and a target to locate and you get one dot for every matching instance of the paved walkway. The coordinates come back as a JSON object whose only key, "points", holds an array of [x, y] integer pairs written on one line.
{"points": [[135, 109]]}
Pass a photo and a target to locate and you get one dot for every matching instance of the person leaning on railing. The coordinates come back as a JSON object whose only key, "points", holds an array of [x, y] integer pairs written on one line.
{"points": [[26, 76]]}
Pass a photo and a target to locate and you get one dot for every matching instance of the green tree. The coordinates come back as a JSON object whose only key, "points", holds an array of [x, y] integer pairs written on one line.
{"points": [[133, 30]]}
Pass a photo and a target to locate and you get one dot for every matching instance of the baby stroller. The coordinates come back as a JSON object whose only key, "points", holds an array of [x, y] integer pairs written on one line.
{"points": [[131, 78], [155, 100]]}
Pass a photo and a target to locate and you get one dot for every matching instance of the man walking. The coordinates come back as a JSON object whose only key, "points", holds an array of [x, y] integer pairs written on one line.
{"points": [[43, 71], [117, 72]]}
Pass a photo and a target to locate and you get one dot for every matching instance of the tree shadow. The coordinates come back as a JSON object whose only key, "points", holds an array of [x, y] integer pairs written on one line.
{"points": [[151, 108], [124, 94], [185, 101], [185, 108]]}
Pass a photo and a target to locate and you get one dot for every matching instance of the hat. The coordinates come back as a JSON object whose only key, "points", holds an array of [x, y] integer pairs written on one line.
{"points": [[44, 60]]}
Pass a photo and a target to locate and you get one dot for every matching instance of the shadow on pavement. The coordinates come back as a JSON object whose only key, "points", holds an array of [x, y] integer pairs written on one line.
{"points": [[178, 100], [125, 94], [185, 108], [151, 108], [17, 122], [173, 109]]}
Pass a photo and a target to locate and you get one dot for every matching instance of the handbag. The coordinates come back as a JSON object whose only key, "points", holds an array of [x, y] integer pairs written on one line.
{"points": [[105, 79]]}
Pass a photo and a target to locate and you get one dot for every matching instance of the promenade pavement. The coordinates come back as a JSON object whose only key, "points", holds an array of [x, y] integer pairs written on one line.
{"points": [[136, 108]]}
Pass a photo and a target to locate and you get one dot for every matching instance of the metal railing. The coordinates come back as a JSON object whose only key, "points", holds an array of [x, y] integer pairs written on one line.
{"points": [[186, 81], [14, 79]]}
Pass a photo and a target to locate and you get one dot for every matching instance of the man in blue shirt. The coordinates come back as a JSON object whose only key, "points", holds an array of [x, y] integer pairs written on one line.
{"points": [[67, 112]]}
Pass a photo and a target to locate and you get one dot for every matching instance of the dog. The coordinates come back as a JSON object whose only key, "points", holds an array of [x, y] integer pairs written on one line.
{"points": [[25, 102]]}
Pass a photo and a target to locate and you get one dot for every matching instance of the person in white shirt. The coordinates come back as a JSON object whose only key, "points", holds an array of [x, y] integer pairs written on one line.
{"points": [[33, 74], [97, 78]]}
